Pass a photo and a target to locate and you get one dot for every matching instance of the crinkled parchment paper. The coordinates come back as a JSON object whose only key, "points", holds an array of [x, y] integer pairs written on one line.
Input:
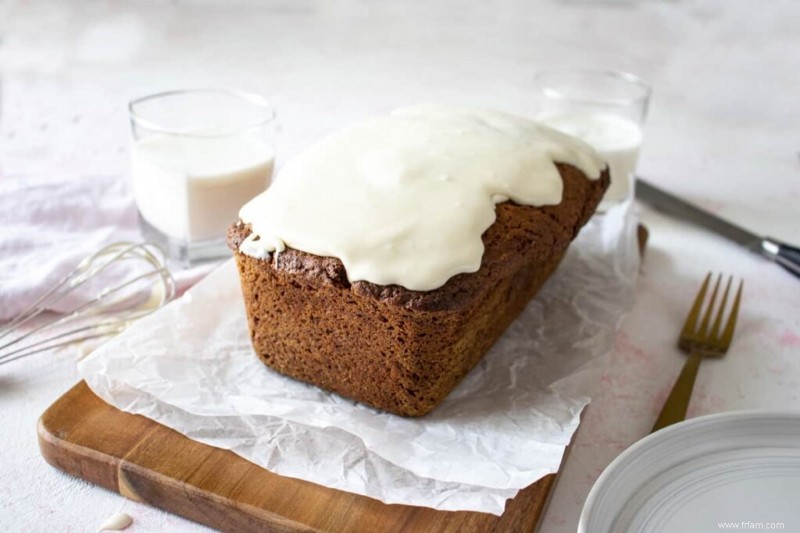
{"points": [[190, 366]]}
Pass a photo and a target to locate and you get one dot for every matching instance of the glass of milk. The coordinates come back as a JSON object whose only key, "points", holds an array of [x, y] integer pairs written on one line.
{"points": [[197, 157], [605, 108]]}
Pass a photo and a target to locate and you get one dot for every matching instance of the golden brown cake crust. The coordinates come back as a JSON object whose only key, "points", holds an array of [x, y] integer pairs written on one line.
{"points": [[392, 348]]}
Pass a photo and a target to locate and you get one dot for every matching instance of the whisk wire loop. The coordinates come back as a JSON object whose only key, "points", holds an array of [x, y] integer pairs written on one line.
{"points": [[114, 303]]}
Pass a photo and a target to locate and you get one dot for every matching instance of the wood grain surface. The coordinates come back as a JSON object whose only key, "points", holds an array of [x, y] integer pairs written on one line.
{"points": [[147, 462]]}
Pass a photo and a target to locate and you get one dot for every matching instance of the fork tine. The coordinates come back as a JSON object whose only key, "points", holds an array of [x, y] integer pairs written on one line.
{"points": [[727, 335], [694, 313], [710, 309], [718, 321]]}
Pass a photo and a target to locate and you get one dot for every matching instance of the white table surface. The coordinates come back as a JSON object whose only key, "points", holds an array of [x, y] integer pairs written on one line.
{"points": [[723, 131]]}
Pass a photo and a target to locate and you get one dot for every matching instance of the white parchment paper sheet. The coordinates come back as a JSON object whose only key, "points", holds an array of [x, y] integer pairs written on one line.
{"points": [[190, 366]]}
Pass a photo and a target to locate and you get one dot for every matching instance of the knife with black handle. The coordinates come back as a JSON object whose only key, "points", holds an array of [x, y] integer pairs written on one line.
{"points": [[781, 253]]}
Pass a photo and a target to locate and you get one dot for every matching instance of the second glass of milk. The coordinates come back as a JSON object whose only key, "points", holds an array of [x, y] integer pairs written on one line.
{"points": [[197, 157], [605, 108]]}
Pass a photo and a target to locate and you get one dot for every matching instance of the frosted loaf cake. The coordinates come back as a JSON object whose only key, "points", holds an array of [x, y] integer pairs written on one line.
{"points": [[386, 260]]}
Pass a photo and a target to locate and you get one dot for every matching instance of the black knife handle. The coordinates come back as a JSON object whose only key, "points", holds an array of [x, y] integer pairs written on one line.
{"points": [[786, 256]]}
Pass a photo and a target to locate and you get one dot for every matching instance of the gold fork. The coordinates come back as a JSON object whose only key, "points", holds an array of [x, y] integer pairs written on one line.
{"points": [[699, 343]]}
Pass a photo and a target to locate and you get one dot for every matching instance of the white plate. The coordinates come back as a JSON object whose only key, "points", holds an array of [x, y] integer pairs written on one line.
{"points": [[739, 468]]}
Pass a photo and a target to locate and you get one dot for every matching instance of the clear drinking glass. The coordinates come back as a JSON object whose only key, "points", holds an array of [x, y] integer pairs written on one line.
{"points": [[605, 108], [197, 157]]}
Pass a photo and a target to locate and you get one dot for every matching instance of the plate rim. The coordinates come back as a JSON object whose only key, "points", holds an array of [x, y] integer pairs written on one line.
{"points": [[724, 417]]}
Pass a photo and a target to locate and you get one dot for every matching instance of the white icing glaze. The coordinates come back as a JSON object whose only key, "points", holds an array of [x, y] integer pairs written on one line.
{"points": [[404, 198], [116, 522]]}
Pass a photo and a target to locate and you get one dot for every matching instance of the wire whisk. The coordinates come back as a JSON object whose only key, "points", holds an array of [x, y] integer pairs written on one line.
{"points": [[147, 286]]}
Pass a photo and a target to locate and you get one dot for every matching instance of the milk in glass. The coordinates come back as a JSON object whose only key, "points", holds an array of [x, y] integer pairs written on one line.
{"points": [[616, 139], [191, 187]]}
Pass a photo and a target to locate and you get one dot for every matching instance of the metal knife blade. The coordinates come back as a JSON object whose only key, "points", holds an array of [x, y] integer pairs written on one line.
{"points": [[783, 254], [663, 201]]}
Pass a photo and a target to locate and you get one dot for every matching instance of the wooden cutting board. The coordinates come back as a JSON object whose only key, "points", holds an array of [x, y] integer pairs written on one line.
{"points": [[147, 462]]}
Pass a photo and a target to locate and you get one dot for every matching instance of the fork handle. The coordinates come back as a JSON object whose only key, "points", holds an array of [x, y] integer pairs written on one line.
{"points": [[677, 403]]}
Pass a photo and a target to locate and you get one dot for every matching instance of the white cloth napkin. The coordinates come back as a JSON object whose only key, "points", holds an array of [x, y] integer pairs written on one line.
{"points": [[47, 227]]}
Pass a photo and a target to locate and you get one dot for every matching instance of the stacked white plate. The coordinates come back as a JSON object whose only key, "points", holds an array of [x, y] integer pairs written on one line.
{"points": [[737, 470]]}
